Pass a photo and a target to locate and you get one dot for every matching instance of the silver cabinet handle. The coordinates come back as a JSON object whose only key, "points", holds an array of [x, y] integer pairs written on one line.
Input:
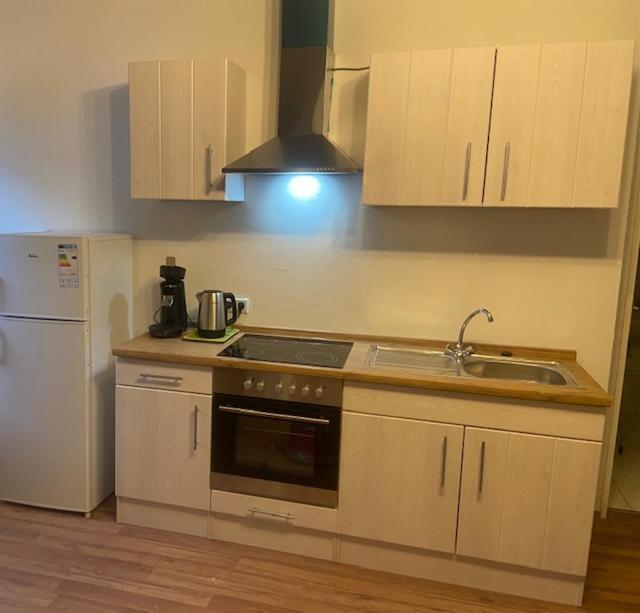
{"points": [[209, 169], [146, 375], [195, 429], [257, 511], [443, 470], [302, 418], [505, 170], [467, 166], [481, 479]]}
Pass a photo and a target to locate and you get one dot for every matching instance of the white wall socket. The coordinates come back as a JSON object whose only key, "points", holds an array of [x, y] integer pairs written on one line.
{"points": [[246, 302]]}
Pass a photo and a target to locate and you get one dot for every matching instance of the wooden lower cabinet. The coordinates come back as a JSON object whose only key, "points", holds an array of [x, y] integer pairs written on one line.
{"points": [[527, 500], [163, 447], [399, 481]]}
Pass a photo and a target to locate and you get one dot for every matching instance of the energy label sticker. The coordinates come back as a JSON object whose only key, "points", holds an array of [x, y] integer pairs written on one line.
{"points": [[68, 266]]}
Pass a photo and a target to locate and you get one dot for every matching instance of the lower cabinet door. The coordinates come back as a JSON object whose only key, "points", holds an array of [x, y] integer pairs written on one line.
{"points": [[399, 481], [163, 446], [527, 500]]}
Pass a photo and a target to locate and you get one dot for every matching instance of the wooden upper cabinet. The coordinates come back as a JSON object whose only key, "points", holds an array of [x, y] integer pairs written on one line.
{"points": [[467, 125], [558, 124], [427, 126], [386, 127], [187, 121], [399, 481], [527, 500], [603, 124], [513, 114], [533, 125]]}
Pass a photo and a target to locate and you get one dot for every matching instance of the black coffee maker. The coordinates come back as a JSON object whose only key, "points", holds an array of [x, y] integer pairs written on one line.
{"points": [[173, 319]]}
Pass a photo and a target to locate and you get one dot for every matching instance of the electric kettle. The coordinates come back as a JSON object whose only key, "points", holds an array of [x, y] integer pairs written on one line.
{"points": [[213, 313]]}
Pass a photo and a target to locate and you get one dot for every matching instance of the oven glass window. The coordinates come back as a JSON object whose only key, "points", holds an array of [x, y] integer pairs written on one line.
{"points": [[283, 442], [279, 447]]}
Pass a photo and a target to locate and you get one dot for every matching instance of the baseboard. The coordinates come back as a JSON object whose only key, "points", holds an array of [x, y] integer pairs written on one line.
{"points": [[505, 579], [162, 517]]}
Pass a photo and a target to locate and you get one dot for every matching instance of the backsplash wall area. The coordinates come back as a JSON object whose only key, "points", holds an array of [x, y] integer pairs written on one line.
{"points": [[551, 277]]}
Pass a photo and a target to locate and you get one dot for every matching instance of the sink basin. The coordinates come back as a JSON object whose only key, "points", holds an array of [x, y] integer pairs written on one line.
{"points": [[549, 373], [475, 366]]}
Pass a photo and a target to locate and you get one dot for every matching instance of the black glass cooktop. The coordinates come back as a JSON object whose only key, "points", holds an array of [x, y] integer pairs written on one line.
{"points": [[288, 350]]}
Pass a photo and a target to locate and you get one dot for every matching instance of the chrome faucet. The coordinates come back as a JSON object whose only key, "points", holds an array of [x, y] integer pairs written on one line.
{"points": [[459, 350]]}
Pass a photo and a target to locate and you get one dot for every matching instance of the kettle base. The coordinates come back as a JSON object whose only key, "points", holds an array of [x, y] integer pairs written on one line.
{"points": [[211, 333]]}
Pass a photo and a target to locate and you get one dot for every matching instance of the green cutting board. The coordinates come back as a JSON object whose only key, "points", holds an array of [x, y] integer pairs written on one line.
{"points": [[193, 336]]}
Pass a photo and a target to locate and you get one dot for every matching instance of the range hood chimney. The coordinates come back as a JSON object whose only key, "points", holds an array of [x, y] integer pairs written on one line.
{"points": [[303, 108]]}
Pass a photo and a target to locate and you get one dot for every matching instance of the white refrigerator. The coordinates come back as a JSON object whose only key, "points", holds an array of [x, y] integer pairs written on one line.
{"points": [[65, 301]]}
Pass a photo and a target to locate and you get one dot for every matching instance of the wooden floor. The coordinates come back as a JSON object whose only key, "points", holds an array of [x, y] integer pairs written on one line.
{"points": [[66, 562]]}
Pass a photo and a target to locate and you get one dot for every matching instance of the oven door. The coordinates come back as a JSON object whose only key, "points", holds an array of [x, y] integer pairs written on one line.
{"points": [[276, 449]]}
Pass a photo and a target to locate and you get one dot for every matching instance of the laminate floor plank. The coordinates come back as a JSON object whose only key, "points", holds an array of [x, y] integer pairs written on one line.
{"points": [[65, 562]]}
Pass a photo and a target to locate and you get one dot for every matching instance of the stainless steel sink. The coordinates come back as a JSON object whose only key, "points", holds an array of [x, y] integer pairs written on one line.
{"points": [[547, 373], [474, 366]]}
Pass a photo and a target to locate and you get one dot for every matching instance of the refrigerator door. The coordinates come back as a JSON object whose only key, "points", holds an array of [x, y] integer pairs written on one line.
{"points": [[44, 413], [44, 276]]}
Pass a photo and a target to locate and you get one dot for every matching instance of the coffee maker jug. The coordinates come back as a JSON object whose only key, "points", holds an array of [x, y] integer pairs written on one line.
{"points": [[173, 319]]}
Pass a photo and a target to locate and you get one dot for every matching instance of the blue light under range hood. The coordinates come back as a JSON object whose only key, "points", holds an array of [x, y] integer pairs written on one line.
{"points": [[306, 59]]}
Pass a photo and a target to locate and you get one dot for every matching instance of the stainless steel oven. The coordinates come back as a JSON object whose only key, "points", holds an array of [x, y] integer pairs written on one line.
{"points": [[276, 436]]}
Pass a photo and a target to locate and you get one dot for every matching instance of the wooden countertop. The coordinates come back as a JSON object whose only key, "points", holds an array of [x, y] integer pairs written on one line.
{"points": [[175, 350]]}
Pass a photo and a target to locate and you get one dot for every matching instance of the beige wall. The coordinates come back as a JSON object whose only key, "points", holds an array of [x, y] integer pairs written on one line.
{"points": [[550, 277]]}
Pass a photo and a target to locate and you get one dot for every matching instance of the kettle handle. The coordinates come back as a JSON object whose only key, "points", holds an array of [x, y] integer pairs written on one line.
{"points": [[229, 297]]}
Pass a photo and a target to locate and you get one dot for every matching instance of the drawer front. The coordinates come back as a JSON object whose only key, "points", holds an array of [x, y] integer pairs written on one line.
{"points": [[156, 375], [269, 535], [256, 510]]}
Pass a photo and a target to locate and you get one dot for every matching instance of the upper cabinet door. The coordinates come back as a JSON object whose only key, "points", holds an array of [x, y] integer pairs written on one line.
{"points": [[176, 104], [557, 124], [209, 126], [427, 126], [144, 128], [512, 119], [386, 128], [187, 121], [468, 125], [603, 123], [415, 466]]}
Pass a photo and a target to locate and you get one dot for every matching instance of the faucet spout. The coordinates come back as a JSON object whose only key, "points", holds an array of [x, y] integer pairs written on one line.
{"points": [[459, 350]]}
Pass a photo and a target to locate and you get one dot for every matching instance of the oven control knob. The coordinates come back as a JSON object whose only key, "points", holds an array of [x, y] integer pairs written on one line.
{"points": [[247, 384], [279, 387], [292, 389], [305, 390], [260, 386], [319, 392]]}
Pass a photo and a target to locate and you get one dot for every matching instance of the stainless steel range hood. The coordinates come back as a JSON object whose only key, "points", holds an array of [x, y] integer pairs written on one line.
{"points": [[303, 108]]}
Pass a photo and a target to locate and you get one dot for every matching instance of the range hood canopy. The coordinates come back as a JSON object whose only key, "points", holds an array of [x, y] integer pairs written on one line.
{"points": [[303, 107]]}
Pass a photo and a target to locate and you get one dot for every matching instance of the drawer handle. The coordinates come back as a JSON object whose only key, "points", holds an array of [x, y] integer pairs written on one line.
{"points": [[210, 171], [195, 429], [505, 170], [174, 378], [481, 478], [443, 470], [467, 167], [301, 418], [256, 511]]}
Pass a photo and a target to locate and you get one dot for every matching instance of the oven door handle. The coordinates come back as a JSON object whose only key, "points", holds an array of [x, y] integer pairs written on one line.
{"points": [[307, 420]]}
